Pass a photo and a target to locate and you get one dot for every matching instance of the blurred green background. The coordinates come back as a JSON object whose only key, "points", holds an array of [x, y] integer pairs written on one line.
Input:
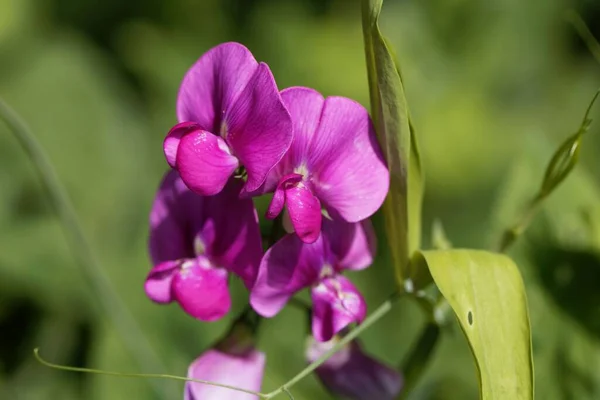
{"points": [[494, 87]]}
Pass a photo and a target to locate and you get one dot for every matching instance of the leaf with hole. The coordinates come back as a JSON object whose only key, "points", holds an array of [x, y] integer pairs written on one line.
{"points": [[486, 292]]}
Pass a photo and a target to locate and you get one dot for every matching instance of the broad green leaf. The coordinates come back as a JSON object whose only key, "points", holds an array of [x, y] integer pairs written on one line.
{"points": [[402, 207], [486, 292]]}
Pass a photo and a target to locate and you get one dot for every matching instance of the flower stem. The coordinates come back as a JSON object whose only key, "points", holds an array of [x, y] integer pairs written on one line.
{"points": [[111, 303], [146, 376], [416, 363], [370, 320]]}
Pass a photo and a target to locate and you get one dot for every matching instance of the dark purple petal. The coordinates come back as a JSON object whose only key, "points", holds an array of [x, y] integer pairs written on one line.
{"points": [[201, 290], [287, 267], [171, 142], [353, 244], [175, 217], [351, 177], [231, 234], [352, 374], [213, 84], [258, 127], [204, 162], [336, 304], [305, 212], [245, 372], [158, 282]]}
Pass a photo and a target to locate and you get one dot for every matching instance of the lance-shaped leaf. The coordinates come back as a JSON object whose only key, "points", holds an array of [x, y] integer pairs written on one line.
{"points": [[486, 292], [402, 207]]}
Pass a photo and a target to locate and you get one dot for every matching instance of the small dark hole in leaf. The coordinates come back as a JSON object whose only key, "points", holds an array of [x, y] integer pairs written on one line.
{"points": [[470, 318]]}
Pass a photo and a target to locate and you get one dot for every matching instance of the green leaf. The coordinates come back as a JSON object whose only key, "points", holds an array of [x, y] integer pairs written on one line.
{"points": [[486, 292], [402, 207]]}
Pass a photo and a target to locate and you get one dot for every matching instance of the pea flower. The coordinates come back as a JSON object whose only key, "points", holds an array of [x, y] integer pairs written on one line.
{"points": [[291, 265], [230, 114], [234, 362], [334, 161], [194, 243], [352, 374]]}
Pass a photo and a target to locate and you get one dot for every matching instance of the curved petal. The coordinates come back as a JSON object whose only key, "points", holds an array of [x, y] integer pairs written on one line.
{"points": [[213, 84], [175, 215], [258, 127], [278, 201], [231, 234], [245, 372], [159, 280], [305, 212], [336, 304], [204, 162], [201, 290], [171, 142], [349, 173], [353, 374], [287, 267], [352, 244]]}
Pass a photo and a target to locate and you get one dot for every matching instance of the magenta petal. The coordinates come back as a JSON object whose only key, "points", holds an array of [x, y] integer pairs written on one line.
{"points": [[353, 244], [204, 162], [351, 177], [278, 201], [245, 372], [287, 267], [336, 304], [231, 234], [171, 143], [158, 282], [258, 127], [176, 214], [201, 290], [352, 374], [213, 84], [305, 212]]}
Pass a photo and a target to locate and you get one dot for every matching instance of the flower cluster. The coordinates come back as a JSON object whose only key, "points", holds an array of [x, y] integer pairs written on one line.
{"points": [[239, 137]]}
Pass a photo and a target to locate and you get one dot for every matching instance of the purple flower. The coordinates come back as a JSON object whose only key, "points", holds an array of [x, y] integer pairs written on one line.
{"points": [[291, 265], [352, 374], [230, 114], [334, 161], [243, 370], [195, 241]]}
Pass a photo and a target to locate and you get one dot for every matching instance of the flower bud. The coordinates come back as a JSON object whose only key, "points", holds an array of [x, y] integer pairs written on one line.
{"points": [[352, 374], [234, 361]]}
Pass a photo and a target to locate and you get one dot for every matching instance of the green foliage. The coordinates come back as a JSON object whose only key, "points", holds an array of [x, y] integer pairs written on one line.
{"points": [[402, 207], [486, 292]]}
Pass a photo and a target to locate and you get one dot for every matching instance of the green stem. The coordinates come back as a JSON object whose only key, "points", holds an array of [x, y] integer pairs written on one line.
{"points": [[370, 320], [146, 376], [510, 235], [417, 361], [584, 32], [101, 286]]}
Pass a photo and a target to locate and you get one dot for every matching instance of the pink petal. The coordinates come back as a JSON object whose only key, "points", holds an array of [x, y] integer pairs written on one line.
{"points": [[204, 162], [174, 218], [171, 142], [231, 234], [336, 304], [245, 372], [213, 84], [287, 267], [159, 280], [305, 212], [258, 127], [278, 201], [353, 244], [352, 374], [201, 290], [348, 170]]}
